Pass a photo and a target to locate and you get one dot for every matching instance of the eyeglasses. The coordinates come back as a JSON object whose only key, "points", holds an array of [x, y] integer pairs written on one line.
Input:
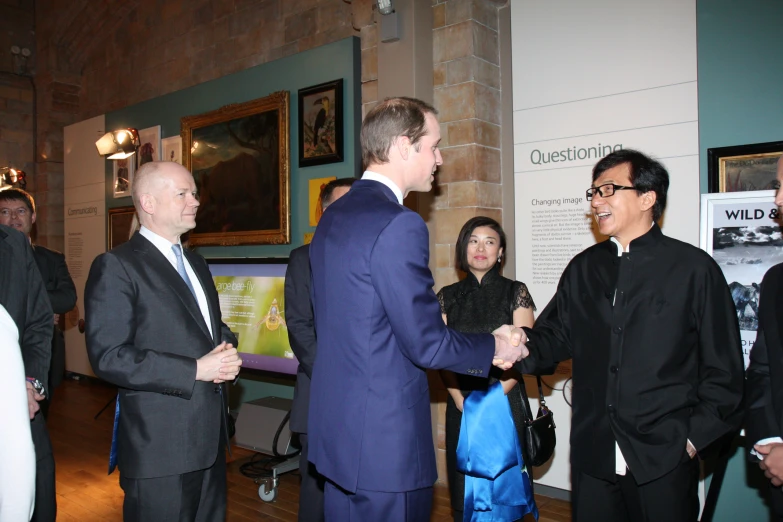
{"points": [[605, 190]]}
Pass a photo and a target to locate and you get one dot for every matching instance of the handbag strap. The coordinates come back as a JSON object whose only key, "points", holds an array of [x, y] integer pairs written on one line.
{"points": [[542, 408]]}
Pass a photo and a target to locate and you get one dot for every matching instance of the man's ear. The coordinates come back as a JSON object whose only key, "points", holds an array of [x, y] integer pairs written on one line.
{"points": [[403, 144], [32, 221], [648, 200], [147, 203]]}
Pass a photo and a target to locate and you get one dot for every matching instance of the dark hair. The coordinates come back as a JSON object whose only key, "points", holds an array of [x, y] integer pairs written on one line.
{"points": [[328, 190], [646, 175], [17, 194], [389, 119], [464, 237]]}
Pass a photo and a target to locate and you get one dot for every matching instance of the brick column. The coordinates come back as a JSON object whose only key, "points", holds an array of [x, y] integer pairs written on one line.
{"points": [[467, 95]]}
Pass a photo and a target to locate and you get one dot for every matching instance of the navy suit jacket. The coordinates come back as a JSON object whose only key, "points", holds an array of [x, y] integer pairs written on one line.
{"points": [[379, 327]]}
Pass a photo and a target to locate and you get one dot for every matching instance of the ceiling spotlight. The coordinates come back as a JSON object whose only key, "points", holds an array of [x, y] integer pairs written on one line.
{"points": [[118, 144], [385, 6], [10, 177]]}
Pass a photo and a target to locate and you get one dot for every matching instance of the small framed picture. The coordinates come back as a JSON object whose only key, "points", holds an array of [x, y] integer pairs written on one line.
{"points": [[743, 168], [121, 225], [172, 149], [123, 176], [321, 124], [149, 145]]}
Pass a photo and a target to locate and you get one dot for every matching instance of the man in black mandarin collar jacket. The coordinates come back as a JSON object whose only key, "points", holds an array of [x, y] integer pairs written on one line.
{"points": [[657, 363]]}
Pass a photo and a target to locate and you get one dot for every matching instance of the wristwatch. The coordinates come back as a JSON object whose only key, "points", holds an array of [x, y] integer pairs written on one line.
{"points": [[37, 386]]}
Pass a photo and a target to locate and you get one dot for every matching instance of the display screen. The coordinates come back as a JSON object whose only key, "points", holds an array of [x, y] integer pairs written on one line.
{"points": [[252, 305]]}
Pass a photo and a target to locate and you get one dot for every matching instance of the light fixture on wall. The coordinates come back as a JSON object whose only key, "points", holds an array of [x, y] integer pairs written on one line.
{"points": [[118, 144], [10, 177], [385, 7]]}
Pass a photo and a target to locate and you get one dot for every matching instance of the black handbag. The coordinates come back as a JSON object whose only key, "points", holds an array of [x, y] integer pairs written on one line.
{"points": [[539, 433]]}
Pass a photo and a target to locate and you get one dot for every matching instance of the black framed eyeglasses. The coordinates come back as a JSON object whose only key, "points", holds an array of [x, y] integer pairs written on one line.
{"points": [[605, 190]]}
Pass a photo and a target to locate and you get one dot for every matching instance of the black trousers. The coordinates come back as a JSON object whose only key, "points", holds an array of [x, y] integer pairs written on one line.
{"points": [[311, 489], [673, 497], [198, 496], [775, 495], [45, 494]]}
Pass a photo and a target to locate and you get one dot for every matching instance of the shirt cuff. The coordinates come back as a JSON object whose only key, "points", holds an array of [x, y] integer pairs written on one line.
{"points": [[763, 442]]}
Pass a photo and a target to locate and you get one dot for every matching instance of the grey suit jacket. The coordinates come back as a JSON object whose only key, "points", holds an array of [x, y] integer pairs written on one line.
{"points": [[144, 333], [62, 296], [23, 295]]}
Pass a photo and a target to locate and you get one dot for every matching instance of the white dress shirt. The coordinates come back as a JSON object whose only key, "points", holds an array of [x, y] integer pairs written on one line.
{"points": [[164, 245], [380, 178], [17, 455]]}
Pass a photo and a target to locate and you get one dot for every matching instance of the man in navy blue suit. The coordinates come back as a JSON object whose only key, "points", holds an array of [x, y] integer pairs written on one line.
{"points": [[379, 327]]}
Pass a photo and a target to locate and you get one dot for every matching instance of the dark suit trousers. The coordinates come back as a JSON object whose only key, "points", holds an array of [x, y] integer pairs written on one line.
{"points": [[198, 496], [673, 497], [45, 495], [365, 506], [775, 497], [311, 490]]}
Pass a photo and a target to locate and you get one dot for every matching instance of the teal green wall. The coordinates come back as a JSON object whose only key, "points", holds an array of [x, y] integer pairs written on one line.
{"points": [[740, 73], [329, 62], [740, 61]]}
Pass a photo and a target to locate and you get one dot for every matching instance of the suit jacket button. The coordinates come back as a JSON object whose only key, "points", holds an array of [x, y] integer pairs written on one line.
{"points": [[617, 329], [217, 388], [613, 369]]}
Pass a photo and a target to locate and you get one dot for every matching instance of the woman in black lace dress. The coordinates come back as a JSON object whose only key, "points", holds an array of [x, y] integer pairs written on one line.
{"points": [[480, 303]]}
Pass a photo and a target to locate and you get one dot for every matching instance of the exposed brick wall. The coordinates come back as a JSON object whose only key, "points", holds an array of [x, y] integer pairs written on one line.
{"points": [[16, 122], [467, 95], [167, 46], [16, 90]]}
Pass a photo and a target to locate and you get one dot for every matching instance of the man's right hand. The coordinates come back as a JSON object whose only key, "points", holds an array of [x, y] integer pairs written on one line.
{"points": [[219, 365], [509, 346]]}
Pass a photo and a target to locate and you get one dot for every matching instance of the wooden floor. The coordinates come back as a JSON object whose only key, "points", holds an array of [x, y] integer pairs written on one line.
{"points": [[85, 493]]}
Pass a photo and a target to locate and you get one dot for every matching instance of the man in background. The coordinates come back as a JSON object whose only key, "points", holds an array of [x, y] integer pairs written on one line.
{"points": [[379, 327], [17, 210], [764, 385], [23, 295], [651, 327], [301, 335], [154, 329]]}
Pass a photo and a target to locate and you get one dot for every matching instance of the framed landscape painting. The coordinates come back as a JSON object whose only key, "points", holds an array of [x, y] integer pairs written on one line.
{"points": [[743, 168], [238, 155]]}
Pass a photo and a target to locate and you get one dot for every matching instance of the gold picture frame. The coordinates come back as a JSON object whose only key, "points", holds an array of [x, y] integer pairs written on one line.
{"points": [[239, 157], [743, 168], [119, 226]]}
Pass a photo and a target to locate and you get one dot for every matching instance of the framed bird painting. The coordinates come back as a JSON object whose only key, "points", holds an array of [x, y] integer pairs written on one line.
{"points": [[321, 124]]}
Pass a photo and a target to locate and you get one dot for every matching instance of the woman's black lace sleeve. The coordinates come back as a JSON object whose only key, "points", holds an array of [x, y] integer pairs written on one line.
{"points": [[522, 298]]}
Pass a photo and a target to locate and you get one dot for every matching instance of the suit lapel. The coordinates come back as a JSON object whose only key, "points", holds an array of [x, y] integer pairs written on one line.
{"points": [[158, 262]]}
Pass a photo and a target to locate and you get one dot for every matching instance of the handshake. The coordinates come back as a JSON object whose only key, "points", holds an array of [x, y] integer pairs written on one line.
{"points": [[509, 346]]}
